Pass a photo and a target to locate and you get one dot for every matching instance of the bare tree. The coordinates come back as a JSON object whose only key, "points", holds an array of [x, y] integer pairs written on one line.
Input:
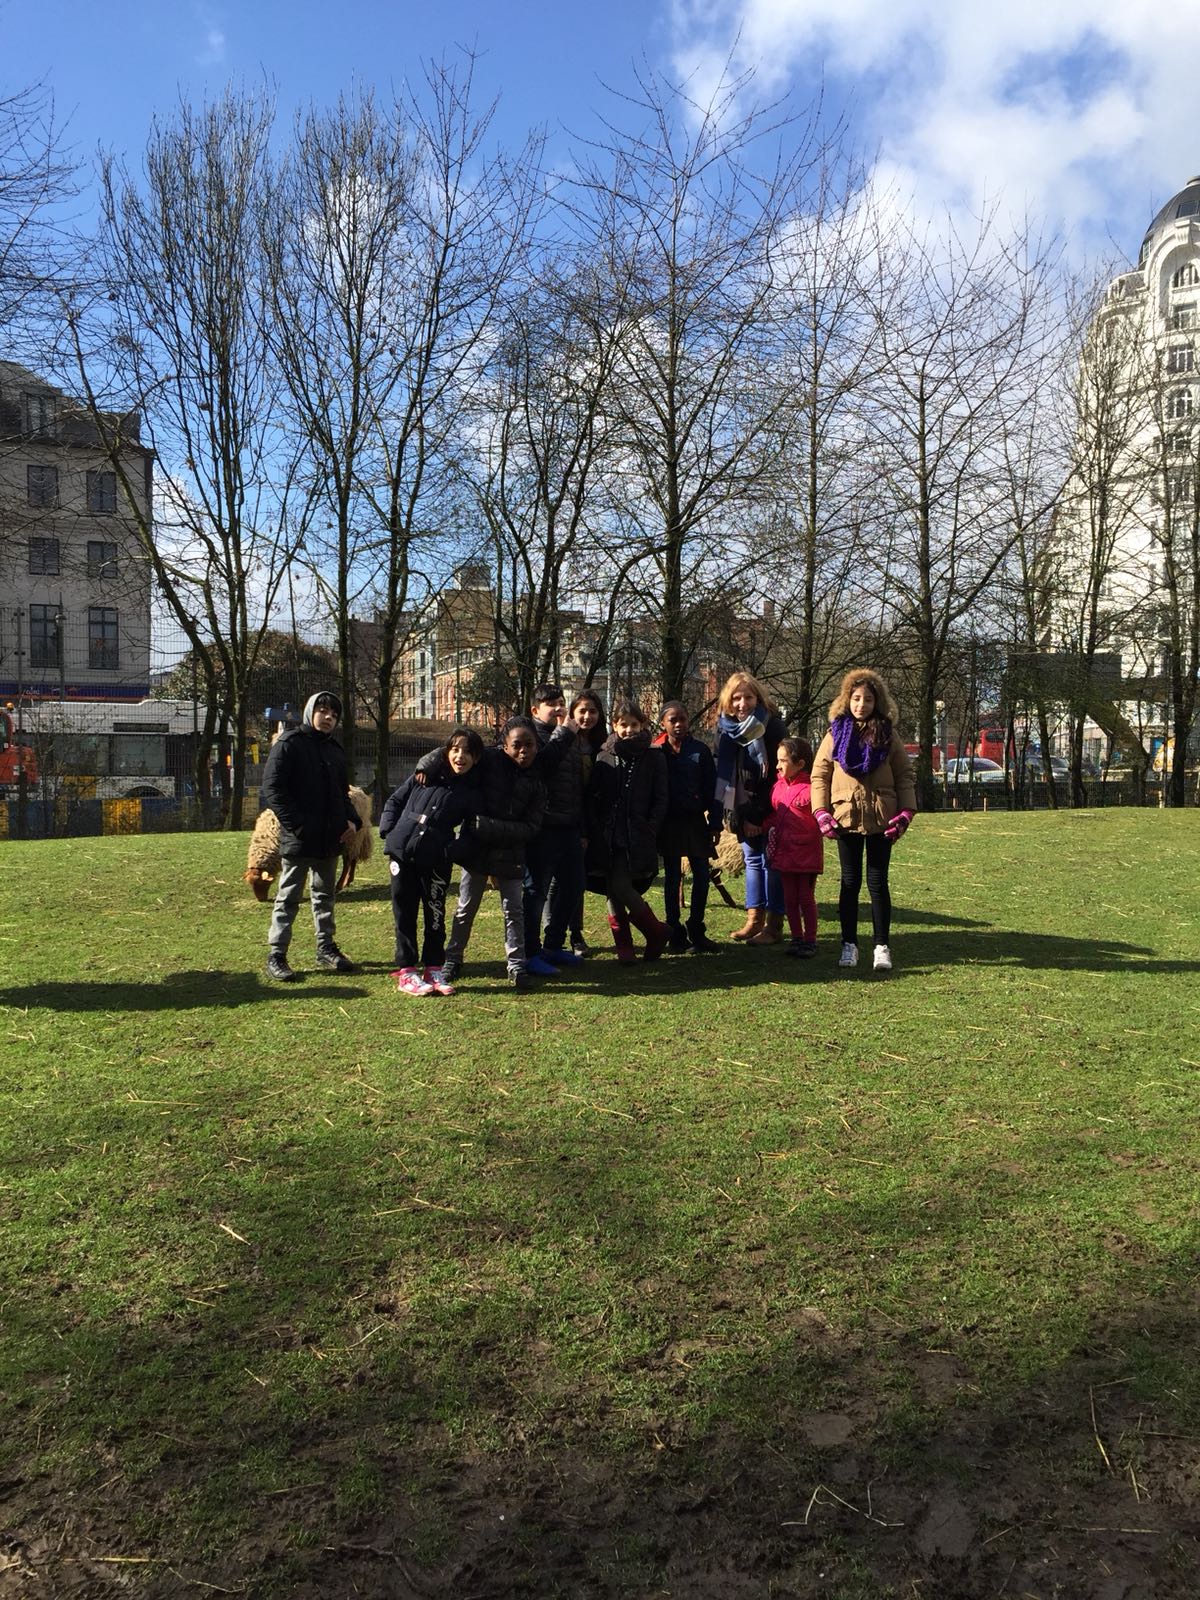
{"points": [[1102, 520], [338, 242], [955, 323], [463, 225], [184, 343], [811, 539], [684, 217], [34, 176], [538, 434]]}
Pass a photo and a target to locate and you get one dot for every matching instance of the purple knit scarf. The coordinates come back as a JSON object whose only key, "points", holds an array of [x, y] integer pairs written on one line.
{"points": [[852, 753]]}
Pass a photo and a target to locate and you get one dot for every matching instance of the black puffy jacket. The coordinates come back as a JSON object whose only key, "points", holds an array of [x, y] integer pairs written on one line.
{"points": [[419, 820], [627, 801], [560, 766], [510, 803], [307, 786]]}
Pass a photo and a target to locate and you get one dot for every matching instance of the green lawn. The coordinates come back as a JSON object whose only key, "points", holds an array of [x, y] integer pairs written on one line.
{"points": [[722, 1277]]}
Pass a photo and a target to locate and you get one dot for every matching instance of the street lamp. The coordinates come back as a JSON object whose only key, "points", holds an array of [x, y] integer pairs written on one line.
{"points": [[60, 634]]}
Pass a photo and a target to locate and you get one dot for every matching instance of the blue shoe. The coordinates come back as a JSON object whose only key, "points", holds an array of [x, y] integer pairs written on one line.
{"points": [[540, 968], [560, 958]]}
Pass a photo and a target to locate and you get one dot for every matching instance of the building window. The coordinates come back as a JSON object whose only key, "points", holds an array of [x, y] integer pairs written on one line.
{"points": [[1179, 488], [1179, 403], [39, 415], [102, 558], [45, 637], [41, 486], [1184, 316], [43, 556], [103, 655], [1177, 444], [1181, 358], [1187, 208], [102, 492], [1185, 277]]}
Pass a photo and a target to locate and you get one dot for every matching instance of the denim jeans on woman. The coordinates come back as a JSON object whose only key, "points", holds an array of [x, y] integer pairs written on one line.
{"points": [[764, 891]]}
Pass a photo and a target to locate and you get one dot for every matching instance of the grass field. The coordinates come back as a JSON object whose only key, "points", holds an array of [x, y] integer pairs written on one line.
{"points": [[732, 1276]]}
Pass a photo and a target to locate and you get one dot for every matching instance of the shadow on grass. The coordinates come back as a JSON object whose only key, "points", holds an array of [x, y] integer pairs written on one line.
{"points": [[733, 967], [177, 991], [488, 1439], [736, 967]]}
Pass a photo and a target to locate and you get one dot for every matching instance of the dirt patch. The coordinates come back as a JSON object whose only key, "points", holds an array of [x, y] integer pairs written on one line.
{"points": [[1070, 1490]]}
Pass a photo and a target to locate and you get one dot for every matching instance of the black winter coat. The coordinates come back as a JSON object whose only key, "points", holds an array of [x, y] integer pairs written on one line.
{"points": [[626, 802], [560, 766], [510, 803], [307, 786], [419, 820]]}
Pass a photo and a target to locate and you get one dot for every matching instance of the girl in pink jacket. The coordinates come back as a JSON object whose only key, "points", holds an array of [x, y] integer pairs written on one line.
{"points": [[794, 844]]}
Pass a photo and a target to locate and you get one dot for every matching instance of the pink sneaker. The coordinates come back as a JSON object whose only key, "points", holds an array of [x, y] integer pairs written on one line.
{"points": [[436, 978], [410, 981]]}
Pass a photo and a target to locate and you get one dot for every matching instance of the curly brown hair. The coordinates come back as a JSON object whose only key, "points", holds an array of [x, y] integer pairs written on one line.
{"points": [[885, 705]]}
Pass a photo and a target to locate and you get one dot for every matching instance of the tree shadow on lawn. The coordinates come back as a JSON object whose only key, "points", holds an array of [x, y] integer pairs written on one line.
{"points": [[735, 968], [1035, 951], [176, 991], [845, 1455]]}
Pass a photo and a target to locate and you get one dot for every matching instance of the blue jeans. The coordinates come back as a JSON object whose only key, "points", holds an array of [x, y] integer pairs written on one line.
{"points": [[764, 887], [554, 857]]}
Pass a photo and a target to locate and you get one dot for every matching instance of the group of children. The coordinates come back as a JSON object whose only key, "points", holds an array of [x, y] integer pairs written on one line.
{"points": [[558, 804]]}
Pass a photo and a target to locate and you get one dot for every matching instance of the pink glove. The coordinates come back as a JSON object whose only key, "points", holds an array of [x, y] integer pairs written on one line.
{"points": [[825, 821], [896, 827]]}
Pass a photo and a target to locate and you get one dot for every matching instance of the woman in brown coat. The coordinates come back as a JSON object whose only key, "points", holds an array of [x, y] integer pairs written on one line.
{"points": [[863, 796]]}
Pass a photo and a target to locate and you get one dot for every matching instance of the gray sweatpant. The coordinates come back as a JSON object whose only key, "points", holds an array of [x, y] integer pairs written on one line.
{"points": [[289, 894], [470, 893]]}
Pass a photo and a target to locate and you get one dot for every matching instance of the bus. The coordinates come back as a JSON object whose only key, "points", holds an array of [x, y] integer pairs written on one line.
{"points": [[109, 750]]}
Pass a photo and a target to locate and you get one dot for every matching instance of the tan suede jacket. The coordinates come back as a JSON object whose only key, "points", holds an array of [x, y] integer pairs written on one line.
{"points": [[863, 805]]}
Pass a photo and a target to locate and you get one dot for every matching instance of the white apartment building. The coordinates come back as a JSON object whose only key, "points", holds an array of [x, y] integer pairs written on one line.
{"points": [[74, 582], [1131, 501]]}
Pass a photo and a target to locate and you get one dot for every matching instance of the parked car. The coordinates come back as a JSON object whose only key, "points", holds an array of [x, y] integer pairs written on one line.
{"points": [[974, 770], [1059, 767]]}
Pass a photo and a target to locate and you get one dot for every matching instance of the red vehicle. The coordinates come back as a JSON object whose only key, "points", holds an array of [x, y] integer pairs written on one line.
{"points": [[15, 759], [989, 744]]}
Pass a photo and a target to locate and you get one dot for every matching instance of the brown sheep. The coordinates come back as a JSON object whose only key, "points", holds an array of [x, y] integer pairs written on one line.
{"points": [[263, 860]]}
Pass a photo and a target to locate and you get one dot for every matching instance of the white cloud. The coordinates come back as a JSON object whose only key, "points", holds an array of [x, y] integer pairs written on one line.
{"points": [[213, 52], [1079, 110], [212, 48]]}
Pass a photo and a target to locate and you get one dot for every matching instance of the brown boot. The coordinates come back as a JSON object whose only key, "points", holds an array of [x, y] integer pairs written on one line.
{"points": [[771, 932], [755, 920]]}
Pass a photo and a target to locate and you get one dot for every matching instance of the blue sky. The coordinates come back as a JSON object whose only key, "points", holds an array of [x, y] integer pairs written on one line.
{"points": [[113, 66], [1080, 109]]}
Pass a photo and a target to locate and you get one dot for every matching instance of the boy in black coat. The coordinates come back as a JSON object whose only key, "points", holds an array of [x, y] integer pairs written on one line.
{"points": [[307, 786]]}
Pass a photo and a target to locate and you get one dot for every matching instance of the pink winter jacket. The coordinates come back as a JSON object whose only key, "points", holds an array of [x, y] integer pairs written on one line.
{"points": [[798, 846]]}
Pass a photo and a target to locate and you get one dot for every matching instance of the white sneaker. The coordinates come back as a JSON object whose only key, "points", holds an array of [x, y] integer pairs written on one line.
{"points": [[883, 958], [849, 956]]}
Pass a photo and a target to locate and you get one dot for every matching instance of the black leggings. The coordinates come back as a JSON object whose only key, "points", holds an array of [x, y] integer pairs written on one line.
{"points": [[850, 855]]}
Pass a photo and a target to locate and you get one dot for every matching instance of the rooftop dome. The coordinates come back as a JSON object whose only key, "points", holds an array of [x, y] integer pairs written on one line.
{"points": [[1184, 204]]}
